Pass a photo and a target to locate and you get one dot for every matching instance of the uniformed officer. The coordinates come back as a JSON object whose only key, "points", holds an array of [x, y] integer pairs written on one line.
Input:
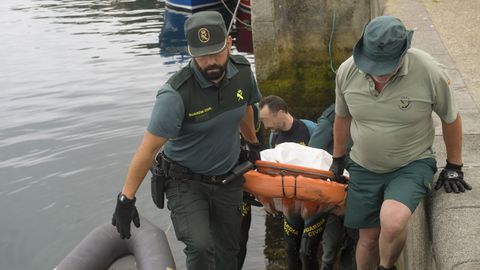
{"points": [[336, 237], [196, 118]]}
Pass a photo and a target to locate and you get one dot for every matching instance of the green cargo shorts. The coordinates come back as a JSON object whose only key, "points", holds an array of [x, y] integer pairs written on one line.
{"points": [[367, 190]]}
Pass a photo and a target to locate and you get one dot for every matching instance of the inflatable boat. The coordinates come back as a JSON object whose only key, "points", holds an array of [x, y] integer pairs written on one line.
{"points": [[103, 249]]}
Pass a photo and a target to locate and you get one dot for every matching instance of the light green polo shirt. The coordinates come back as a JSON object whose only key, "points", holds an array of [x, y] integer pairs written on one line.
{"points": [[395, 127]]}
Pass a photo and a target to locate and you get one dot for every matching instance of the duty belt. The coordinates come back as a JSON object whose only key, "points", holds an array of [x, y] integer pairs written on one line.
{"points": [[177, 171]]}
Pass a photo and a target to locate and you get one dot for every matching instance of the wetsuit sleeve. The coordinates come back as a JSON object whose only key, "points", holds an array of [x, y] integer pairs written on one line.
{"points": [[167, 114], [444, 102]]}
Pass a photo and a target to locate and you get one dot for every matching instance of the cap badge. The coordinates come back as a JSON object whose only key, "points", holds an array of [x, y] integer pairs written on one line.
{"points": [[203, 35]]}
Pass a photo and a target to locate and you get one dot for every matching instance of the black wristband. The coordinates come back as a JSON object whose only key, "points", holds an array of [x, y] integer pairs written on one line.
{"points": [[125, 200], [453, 166], [342, 158]]}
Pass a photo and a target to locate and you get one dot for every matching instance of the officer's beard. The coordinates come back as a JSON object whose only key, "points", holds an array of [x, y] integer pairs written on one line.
{"points": [[214, 72]]}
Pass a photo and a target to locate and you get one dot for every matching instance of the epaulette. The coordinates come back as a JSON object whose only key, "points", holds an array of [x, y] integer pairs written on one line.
{"points": [[180, 77], [328, 114], [239, 59]]}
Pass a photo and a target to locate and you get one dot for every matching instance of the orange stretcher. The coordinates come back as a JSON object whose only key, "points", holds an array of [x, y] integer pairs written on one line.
{"points": [[295, 189]]}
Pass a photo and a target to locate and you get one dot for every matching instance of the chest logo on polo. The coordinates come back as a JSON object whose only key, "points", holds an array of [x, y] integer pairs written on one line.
{"points": [[203, 35], [239, 94], [405, 104]]}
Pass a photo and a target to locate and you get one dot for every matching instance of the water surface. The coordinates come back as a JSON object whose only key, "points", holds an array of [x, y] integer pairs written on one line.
{"points": [[77, 83]]}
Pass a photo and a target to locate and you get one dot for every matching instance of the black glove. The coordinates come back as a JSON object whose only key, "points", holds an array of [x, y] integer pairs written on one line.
{"points": [[451, 178], [254, 152], [125, 212], [337, 167], [249, 198]]}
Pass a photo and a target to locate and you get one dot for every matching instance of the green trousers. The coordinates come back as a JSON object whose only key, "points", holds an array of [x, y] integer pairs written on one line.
{"points": [[207, 219]]}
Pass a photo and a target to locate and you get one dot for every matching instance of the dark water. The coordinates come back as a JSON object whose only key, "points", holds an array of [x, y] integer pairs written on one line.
{"points": [[77, 83]]}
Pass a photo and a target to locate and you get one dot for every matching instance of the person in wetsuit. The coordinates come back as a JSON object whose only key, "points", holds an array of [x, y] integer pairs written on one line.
{"points": [[302, 237]]}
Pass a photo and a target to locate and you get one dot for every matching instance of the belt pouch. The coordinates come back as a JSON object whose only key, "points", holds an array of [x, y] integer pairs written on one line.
{"points": [[158, 185]]}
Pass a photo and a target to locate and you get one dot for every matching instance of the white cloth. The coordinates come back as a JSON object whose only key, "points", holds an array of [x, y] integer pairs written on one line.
{"points": [[300, 155]]}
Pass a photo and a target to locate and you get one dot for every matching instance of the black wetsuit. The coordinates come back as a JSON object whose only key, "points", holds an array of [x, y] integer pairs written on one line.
{"points": [[302, 237], [298, 133]]}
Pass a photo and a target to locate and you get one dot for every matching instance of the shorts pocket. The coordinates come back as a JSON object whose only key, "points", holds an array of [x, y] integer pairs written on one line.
{"points": [[428, 180]]}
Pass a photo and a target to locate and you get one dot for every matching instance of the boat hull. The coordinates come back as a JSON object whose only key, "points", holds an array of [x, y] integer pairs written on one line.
{"points": [[193, 5]]}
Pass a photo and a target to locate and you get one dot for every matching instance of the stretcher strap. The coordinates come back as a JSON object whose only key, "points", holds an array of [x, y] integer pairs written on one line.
{"points": [[295, 187], [283, 186], [274, 169]]}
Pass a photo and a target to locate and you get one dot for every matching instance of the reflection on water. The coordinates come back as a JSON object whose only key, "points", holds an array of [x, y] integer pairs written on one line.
{"points": [[78, 79], [171, 39]]}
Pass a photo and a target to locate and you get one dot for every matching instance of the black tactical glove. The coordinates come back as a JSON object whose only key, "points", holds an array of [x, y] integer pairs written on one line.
{"points": [[451, 178], [337, 167], [125, 212], [249, 198], [254, 152]]}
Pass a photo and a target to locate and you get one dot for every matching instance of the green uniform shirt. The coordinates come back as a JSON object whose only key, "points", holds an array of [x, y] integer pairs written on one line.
{"points": [[202, 120], [322, 136], [395, 127]]}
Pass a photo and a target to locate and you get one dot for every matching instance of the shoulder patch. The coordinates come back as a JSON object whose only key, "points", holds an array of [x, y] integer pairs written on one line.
{"points": [[239, 59], [180, 77]]}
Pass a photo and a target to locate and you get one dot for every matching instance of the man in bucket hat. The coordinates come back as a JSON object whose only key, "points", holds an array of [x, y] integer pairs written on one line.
{"points": [[196, 119], [385, 95]]}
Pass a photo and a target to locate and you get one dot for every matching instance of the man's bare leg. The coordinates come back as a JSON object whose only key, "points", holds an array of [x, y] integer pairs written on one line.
{"points": [[367, 248], [394, 218]]}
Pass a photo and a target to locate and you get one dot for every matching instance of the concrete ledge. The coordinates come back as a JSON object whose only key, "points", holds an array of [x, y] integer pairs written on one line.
{"points": [[418, 253], [455, 226], [445, 228]]}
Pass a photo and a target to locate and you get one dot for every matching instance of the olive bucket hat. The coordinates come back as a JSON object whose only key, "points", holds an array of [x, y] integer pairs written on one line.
{"points": [[206, 33], [383, 43]]}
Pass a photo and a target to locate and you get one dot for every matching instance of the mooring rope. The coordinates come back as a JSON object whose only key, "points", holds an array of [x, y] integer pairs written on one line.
{"points": [[331, 38], [234, 15]]}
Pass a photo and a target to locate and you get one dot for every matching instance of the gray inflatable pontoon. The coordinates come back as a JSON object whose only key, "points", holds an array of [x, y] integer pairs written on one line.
{"points": [[102, 249]]}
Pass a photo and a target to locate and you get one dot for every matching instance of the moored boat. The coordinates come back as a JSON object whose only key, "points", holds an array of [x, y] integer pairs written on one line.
{"points": [[193, 5], [243, 25], [171, 40]]}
